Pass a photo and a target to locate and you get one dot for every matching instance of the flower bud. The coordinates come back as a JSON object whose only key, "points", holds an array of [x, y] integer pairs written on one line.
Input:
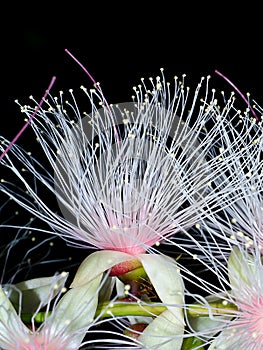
{"points": [[124, 267]]}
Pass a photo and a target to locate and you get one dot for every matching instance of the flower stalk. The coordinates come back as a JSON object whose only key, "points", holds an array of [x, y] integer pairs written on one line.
{"points": [[120, 309]]}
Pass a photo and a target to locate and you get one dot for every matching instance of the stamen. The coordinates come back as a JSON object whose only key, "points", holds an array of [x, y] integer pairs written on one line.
{"points": [[81, 65], [239, 92], [29, 120], [97, 86]]}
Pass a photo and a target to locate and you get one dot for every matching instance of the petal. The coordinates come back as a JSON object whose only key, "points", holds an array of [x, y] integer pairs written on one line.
{"points": [[165, 331], [207, 325], [107, 289], [97, 263], [74, 314], [35, 292], [228, 339], [11, 326], [242, 269], [166, 279]]}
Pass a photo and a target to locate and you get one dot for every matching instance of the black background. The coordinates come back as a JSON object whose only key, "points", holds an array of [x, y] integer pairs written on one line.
{"points": [[119, 43]]}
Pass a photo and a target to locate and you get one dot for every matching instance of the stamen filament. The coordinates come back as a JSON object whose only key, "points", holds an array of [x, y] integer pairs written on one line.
{"points": [[240, 93], [29, 120]]}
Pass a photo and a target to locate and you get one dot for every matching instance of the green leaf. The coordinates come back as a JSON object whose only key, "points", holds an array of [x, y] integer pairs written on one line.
{"points": [[192, 343]]}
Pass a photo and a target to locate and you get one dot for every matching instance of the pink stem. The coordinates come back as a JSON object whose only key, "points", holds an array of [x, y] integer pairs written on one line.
{"points": [[29, 120], [81, 65], [239, 92], [96, 86]]}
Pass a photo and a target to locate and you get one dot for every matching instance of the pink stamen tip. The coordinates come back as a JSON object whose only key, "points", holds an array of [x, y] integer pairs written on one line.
{"points": [[95, 84], [239, 92], [81, 65], [29, 120]]}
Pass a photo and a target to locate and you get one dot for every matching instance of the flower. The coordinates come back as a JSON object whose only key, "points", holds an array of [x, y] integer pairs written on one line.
{"points": [[163, 331], [230, 249], [226, 312], [240, 327], [64, 325], [227, 244], [239, 218], [126, 177]]}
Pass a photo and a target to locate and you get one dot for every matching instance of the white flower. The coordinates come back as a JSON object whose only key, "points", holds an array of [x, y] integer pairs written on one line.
{"points": [[228, 246], [236, 217], [245, 330], [126, 176], [64, 326]]}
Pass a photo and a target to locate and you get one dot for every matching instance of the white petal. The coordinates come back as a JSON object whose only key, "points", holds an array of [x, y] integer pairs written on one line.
{"points": [[242, 269], [97, 263], [74, 313], [10, 323], [228, 339], [107, 289], [35, 292], [166, 279], [207, 325], [164, 332]]}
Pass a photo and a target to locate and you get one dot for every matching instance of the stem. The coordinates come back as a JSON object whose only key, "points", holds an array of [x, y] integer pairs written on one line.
{"points": [[240, 93], [105, 310], [29, 120], [40, 317], [108, 309], [214, 308]]}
